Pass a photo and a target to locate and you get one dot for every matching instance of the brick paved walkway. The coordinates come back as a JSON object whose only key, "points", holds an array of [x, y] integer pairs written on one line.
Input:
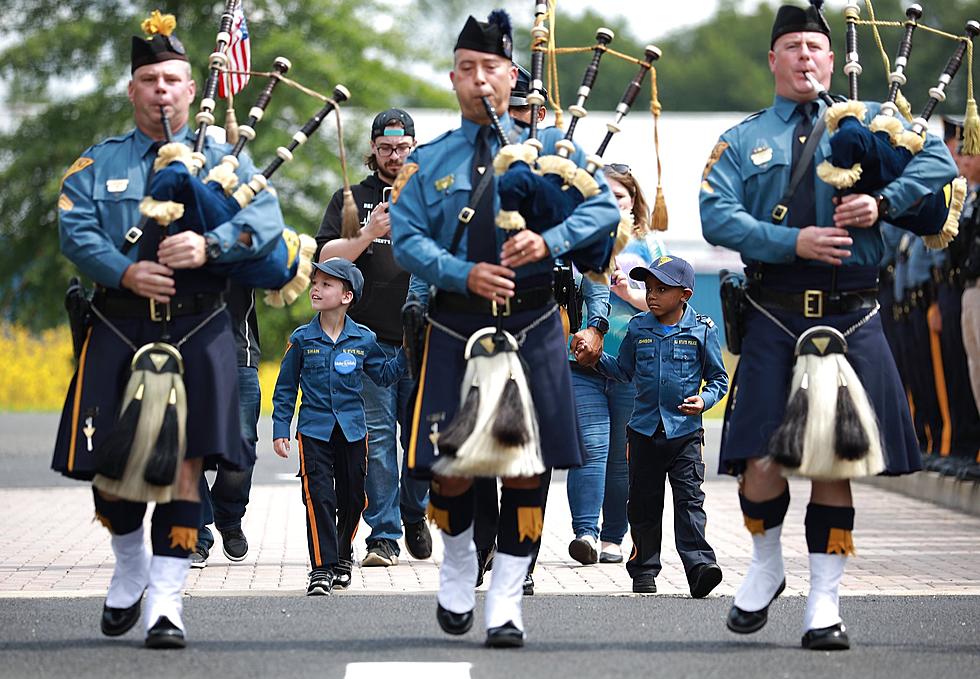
{"points": [[49, 546]]}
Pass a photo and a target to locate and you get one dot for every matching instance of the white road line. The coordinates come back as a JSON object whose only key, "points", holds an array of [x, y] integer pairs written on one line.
{"points": [[408, 670]]}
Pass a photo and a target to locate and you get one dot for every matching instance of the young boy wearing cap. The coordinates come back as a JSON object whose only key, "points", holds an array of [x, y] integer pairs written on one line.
{"points": [[325, 358], [668, 352]]}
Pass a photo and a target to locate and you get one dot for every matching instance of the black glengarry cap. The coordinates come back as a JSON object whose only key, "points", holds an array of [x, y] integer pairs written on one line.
{"points": [[792, 19], [159, 44], [493, 36]]}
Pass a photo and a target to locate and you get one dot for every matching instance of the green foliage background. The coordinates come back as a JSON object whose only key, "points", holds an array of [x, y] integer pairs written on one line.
{"points": [[48, 47]]}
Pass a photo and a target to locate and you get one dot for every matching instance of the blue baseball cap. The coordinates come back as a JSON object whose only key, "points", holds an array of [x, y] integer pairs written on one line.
{"points": [[670, 270], [344, 269]]}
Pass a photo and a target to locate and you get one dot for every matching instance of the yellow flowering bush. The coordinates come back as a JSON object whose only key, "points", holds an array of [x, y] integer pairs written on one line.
{"points": [[35, 369]]}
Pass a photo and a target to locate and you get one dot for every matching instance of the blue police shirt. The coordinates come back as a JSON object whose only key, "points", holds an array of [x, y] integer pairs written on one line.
{"points": [[435, 185], [666, 368], [329, 374], [101, 193], [750, 167]]}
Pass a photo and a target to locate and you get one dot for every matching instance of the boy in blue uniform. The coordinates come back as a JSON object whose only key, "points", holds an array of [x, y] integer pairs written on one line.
{"points": [[672, 347], [325, 359]]}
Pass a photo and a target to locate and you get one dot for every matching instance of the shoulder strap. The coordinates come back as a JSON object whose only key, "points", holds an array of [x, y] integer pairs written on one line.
{"points": [[779, 212], [466, 214]]}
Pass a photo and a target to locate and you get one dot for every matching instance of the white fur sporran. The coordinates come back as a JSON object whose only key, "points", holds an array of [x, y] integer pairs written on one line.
{"points": [[829, 431], [495, 432]]}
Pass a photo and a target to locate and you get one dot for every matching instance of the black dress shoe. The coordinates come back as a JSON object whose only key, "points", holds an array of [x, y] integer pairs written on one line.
{"points": [[704, 578], [505, 636], [118, 621], [165, 634], [833, 638], [453, 623], [528, 585], [747, 622]]}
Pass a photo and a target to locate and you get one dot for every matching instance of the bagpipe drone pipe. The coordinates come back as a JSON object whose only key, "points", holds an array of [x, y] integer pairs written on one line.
{"points": [[866, 158], [539, 192]]}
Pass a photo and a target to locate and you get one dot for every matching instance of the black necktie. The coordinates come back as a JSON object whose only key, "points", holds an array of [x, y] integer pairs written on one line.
{"points": [[149, 243], [481, 244], [802, 210]]}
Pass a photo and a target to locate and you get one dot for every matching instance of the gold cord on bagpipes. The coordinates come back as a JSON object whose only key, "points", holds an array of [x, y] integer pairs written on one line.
{"points": [[658, 218], [971, 121]]}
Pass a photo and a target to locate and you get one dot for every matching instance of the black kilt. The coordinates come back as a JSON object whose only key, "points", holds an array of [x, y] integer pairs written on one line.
{"points": [[210, 380], [760, 389]]}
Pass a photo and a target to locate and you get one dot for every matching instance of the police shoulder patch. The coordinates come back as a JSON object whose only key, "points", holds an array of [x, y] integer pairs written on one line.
{"points": [[408, 169], [705, 319], [715, 156], [77, 166], [65, 203]]}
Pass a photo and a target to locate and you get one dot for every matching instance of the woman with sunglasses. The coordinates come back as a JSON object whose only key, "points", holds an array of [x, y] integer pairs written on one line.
{"points": [[604, 406]]}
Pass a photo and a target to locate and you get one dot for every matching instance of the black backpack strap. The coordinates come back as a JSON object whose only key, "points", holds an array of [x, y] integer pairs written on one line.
{"points": [[466, 214], [782, 207]]}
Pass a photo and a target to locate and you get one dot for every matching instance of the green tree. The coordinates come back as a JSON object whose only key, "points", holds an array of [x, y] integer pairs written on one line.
{"points": [[68, 63]]}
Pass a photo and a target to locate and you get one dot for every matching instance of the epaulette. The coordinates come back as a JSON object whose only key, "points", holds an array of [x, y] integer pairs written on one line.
{"points": [[115, 140], [701, 318], [436, 140], [753, 116], [637, 315]]}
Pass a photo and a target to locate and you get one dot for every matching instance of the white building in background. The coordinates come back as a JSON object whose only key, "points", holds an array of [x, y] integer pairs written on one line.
{"points": [[686, 140]]}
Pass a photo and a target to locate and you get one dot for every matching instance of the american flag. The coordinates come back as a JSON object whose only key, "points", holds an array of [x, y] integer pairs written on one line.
{"points": [[239, 54]]}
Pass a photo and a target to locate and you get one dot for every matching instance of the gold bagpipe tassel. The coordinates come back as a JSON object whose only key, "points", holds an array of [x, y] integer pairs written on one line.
{"points": [[829, 430], [658, 218]]}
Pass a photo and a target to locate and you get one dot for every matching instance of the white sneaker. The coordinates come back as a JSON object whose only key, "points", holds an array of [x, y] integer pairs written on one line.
{"points": [[583, 549], [610, 553]]}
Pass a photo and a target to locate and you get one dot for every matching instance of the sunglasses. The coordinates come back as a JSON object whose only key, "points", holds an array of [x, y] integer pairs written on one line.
{"points": [[619, 168]]}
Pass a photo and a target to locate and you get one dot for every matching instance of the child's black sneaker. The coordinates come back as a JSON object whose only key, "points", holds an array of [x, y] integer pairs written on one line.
{"points": [[321, 582]]}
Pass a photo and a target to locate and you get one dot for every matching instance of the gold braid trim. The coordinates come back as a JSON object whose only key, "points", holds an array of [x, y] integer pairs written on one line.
{"points": [[585, 183], [174, 152], [893, 126], [510, 220], [910, 140], [163, 212], [224, 176], [841, 110], [839, 177], [512, 153], [956, 191]]}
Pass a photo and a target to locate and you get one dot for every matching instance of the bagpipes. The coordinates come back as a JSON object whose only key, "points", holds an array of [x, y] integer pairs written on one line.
{"points": [[829, 430], [541, 191], [177, 196], [495, 431], [866, 158]]}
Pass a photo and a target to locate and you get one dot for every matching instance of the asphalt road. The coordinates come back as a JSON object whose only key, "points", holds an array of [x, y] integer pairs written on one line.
{"points": [[570, 636]]}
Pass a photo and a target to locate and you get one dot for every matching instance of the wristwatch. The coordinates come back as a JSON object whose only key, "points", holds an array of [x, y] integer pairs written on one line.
{"points": [[600, 324], [212, 248], [882, 207]]}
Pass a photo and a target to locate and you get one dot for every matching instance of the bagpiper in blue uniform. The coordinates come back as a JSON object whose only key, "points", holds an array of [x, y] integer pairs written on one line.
{"points": [[429, 194], [746, 177], [99, 202]]}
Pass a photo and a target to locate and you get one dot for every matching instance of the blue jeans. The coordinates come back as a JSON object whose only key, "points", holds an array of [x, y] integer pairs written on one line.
{"points": [[602, 483], [224, 503], [388, 502]]}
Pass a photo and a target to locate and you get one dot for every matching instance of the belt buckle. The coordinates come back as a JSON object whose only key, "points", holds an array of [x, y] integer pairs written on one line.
{"points": [[495, 308], [779, 213], [813, 303], [155, 313], [466, 214]]}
